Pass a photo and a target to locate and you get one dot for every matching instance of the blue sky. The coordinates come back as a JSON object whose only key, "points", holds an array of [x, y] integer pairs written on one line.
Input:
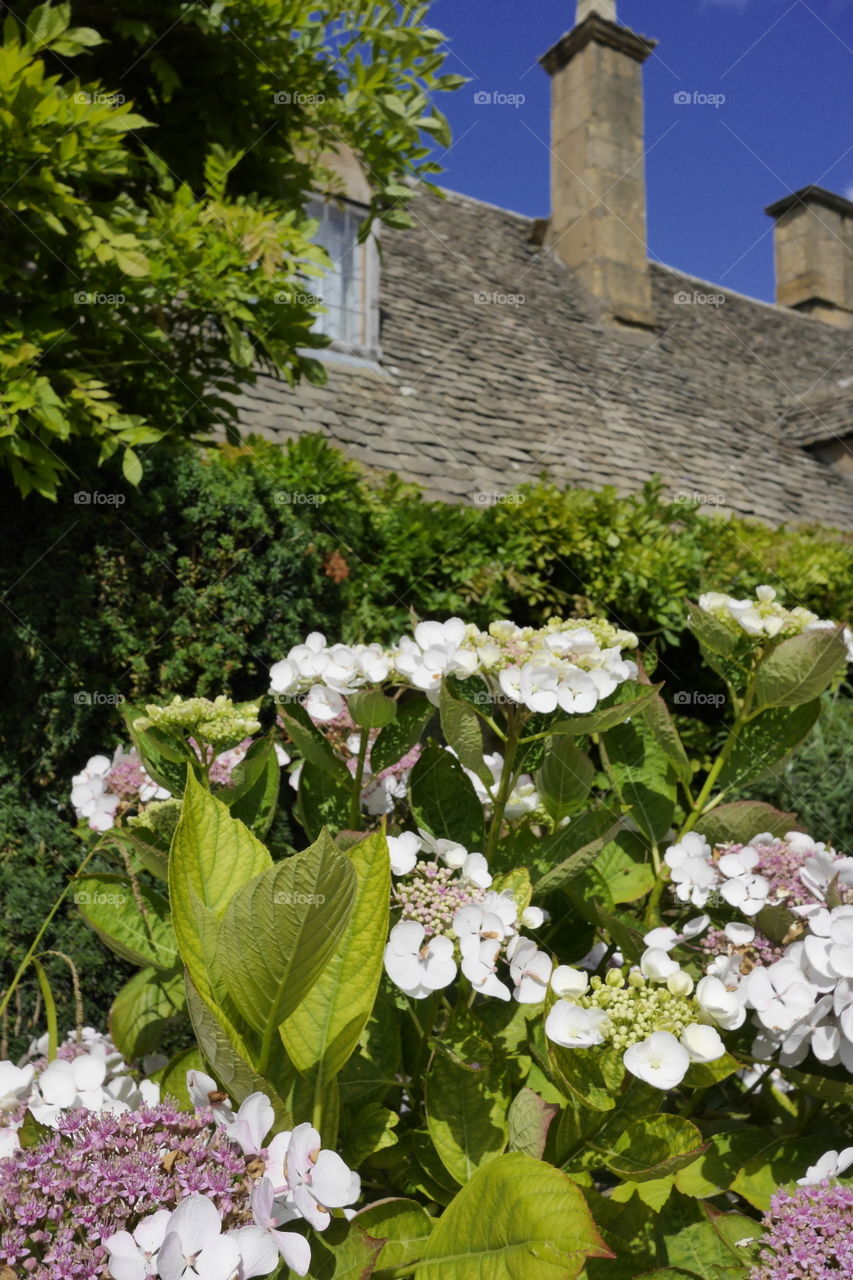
{"points": [[785, 68]]}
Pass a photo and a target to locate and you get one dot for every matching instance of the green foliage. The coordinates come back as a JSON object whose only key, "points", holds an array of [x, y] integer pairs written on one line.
{"points": [[155, 231]]}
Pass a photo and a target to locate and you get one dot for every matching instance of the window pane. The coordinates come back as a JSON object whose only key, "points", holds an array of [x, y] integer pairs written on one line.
{"points": [[342, 286]]}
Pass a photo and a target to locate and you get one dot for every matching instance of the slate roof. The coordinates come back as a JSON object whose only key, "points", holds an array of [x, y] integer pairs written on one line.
{"points": [[473, 397]]}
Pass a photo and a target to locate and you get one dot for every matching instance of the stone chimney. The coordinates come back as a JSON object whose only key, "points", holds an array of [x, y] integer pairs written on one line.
{"points": [[814, 254], [598, 189]]}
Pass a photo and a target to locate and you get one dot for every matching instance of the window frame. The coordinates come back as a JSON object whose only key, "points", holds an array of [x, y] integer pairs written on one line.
{"points": [[369, 349]]}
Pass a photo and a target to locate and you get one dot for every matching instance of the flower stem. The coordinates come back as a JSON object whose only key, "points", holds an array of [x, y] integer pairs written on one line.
{"points": [[355, 797], [22, 967], [513, 734]]}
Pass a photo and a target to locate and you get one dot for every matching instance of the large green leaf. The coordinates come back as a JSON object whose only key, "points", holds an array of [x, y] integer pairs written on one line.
{"points": [[310, 742], [404, 1225], [568, 852], [578, 1073], [710, 1242], [517, 1219], [443, 798], [110, 906], [253, 793], [146, 1007], [322, 801], [371, 708], [777, 1162], [564, 778], [172, 1078], [460, 725], [765, 742], [165, 758], [654, 1147], [800, 668], [212, 855], [343, 1252], [324, 1029], [630, 700], [739, 821], [713, 634], [466, 1109], [656, 715], [622, 866], [642, 775], [279, 932], [231, 1059], [529, 1119], [398, 737]]}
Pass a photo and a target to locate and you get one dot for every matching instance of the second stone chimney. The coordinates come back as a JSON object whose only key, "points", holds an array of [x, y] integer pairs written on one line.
{"points": [[598, 190], [814, 254]]}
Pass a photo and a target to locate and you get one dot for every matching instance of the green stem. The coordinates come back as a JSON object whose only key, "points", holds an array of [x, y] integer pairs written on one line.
{"points": [[355, 797], [22, 967], [513, 735]]}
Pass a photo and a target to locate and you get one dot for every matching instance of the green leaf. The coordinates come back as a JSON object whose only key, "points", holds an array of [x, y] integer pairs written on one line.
{"points": [[460, 725], [172, 1078], [231, 1061], [713, 635], [253, 793], [323, 1031], [49, 1008], [618, 712], [654, 1147], [404, 1225], [517, 1219], [310, 743], [577, 846], [701, 1246], [800, 668], [740, 821], [564, 778], [443, 798], [321, 801], [164, 757], [371, 709], [642, 775], [622, 867], [466, 1113], [371, 1130], [529, 1119], [279, 932], [212, 856], [146, 1007], [343, 1252], [766, 742], [397, 738], [824, 1087], [131, 467], [662, 727], [718, 1166], [777, 1162], [578, 1073], [108, 904]]}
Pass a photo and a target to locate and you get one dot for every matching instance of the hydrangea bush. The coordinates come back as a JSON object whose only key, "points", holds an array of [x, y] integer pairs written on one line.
{"points": [[535, 998]]}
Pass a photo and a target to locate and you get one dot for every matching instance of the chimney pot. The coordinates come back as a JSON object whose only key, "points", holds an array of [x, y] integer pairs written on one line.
{"points": [[814, 254], [598, 191]]}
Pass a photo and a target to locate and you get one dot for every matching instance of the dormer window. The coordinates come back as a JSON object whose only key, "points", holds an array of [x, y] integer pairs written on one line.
{"points": [[349, 288]]}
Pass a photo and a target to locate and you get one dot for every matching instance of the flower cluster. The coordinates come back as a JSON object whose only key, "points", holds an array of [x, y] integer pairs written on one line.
{"points": [[649, 1014], [156, 1191], [326, 673], [566, 664], [103, 785], [88, 1071], [807, 1234], [219, 722], [800, 990], [765, 616], [451, 918], [796, 872]]}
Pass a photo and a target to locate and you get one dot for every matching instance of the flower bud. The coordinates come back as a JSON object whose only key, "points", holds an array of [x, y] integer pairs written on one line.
{"points": [[680, 984]]}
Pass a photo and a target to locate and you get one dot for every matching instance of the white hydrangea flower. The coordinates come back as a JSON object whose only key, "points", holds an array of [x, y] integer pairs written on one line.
{"points": [[659, 1060], [574, 1027], [418, 967]]}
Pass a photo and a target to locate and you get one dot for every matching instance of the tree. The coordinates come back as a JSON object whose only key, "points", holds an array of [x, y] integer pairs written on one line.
{"points": [[158, 160]]}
